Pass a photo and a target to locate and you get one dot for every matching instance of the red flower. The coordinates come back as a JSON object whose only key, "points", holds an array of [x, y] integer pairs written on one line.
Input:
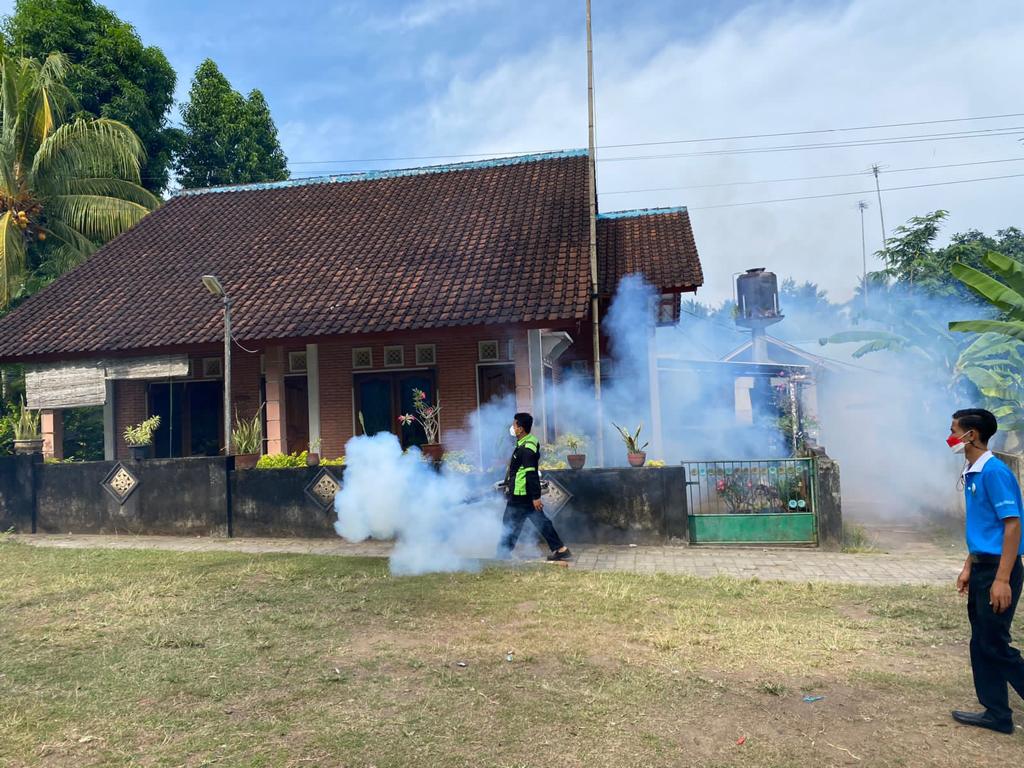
{"points": [[720, 485]]}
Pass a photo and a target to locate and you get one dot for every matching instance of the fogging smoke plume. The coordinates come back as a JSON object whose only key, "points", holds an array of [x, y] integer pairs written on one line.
{"points": [[389, 494]]}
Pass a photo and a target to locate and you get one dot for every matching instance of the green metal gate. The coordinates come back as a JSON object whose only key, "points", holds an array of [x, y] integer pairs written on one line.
{"points": [[752, 502]]}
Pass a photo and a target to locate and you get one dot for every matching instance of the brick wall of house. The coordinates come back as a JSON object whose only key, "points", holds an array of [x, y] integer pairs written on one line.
{"points": [[457, 355], [245, 384], [130, 407]]}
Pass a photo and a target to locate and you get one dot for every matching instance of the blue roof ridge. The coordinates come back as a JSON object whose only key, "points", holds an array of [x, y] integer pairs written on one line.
{"points": [[636, 212], [343, 178]]}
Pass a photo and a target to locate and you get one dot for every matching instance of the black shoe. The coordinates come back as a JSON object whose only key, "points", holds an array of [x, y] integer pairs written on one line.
{"points": [[564, 554], [983, 720]]}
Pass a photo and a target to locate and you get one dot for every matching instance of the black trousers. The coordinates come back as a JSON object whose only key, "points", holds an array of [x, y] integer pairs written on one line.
{"points": [[993, 660], [516, 513]]}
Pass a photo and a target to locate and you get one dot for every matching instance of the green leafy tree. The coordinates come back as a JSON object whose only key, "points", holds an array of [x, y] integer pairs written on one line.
{"points": [[229, 139], [64, 186], [111, 74]]}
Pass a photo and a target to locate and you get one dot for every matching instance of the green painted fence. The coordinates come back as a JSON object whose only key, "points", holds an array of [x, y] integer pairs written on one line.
{"points": [[751, 502]]}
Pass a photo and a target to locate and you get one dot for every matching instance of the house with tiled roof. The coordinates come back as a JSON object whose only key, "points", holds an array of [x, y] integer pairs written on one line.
{"points": [[468, 281]]}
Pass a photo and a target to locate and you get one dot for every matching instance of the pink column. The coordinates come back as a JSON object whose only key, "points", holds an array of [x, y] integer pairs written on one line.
{"points": [[52, 427], [277, 430], [524, 380]]}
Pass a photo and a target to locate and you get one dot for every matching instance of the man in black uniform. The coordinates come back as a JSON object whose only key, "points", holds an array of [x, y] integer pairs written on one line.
{"points": [[522, 486]]}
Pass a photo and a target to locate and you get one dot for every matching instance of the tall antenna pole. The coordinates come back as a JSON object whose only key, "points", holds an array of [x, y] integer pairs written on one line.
{"points": [[863, 205], [592, 194]]}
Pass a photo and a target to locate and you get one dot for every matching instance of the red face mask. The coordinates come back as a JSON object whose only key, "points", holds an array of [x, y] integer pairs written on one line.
{"points": [[956, 443]]}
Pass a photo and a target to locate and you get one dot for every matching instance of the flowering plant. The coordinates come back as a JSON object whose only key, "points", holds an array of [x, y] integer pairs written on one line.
{"points": [[429, 415]]}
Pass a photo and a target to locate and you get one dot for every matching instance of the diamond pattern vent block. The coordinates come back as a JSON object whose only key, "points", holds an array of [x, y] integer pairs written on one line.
{"points": [[322, 488], [120, 483], [555, 498]]}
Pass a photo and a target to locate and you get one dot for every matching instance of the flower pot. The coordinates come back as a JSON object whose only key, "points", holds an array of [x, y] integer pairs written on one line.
{"points": [[139, 452], [27, 447], [637, 459], [576, 460], [433, 451], [246, 460], [312, 459]]}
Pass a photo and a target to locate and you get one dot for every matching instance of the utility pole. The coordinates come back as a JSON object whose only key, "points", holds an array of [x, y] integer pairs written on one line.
{"points": [[863, 205], [881, 216], [592, 194]]}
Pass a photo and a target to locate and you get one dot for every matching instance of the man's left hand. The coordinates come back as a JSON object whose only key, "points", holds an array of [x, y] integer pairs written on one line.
{"points": [[1000, 596], [539, 506]]}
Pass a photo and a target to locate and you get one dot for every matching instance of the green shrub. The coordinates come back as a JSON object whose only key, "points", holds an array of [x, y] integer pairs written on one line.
{"points": [[142, 434], [293, 460]]}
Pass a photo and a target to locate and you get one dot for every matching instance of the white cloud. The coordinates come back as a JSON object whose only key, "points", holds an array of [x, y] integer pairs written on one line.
{"points": [[429, 12], [763, 71]]}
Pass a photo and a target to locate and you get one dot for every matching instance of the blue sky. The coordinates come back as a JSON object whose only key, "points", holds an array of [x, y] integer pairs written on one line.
{"points": [[352, 80]]}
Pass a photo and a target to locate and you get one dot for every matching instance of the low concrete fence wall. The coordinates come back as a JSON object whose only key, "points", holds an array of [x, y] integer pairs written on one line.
{"points": [[207, 497], [186, 497], [623, 506]]}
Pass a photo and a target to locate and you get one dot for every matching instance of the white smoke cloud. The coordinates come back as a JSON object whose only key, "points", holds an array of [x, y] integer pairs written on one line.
{"points": [[439, 521]]}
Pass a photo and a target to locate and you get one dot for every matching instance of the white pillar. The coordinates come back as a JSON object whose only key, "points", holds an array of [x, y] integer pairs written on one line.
{"points": [[657, 446], [109, 438], [313, 390], [536, 354]]}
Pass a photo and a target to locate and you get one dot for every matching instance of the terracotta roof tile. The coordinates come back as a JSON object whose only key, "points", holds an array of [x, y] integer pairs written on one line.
{"points": [[500, 241], [657, 243]]}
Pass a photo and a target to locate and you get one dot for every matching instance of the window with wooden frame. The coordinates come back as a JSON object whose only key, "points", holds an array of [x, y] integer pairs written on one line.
{"points": [[394, 357], [297, 362], [426, 354], [213, 367], [488, 351], [362, 358]]}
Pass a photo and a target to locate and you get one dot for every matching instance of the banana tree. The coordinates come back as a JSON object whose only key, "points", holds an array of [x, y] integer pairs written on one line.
{"points": [[994, 363]]}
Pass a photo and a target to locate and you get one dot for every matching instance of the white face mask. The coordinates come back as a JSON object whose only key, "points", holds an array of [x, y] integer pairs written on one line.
{"points": [[512, 431]]}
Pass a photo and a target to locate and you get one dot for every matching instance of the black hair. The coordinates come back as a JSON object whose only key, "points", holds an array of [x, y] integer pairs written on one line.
{"points": [[981, 421], [525, 421]]}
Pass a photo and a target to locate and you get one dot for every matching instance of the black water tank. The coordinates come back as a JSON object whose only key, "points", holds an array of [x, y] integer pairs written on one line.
{"points": [[757, 297]]}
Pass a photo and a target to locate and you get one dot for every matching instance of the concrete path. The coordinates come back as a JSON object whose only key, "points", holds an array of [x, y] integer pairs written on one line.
{"points": [[933, 568]]}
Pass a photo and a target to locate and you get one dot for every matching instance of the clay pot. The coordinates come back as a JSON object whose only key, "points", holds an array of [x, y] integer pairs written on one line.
{"points": [[433, 451], [576, 460], [139, 452], [312, 459], [27, 447], [637, 459], [246, 460]]}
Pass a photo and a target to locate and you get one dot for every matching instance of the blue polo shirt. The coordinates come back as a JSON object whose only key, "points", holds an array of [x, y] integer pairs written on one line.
{"points": [[992, 496]]}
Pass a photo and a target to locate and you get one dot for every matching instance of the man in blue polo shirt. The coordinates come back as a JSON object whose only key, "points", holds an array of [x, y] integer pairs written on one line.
{"points": [[992, 576]]}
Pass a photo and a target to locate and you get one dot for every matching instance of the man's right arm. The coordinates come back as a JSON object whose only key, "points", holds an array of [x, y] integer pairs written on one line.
{"points": [[965, 577]]}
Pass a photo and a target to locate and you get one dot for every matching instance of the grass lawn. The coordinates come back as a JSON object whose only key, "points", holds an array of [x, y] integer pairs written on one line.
{"points": [[118, 658]]}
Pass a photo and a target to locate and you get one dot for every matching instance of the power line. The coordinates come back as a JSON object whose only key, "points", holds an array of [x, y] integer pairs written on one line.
{"points": [[811, 178], [664, 142], [1015, 131], [858, 192], [912, 139]]}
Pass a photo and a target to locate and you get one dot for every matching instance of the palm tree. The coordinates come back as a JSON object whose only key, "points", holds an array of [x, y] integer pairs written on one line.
{"points": [[66, 187]]}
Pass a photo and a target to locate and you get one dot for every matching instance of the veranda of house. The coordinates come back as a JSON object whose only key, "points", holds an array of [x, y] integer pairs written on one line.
{"points": [[470, 282]]}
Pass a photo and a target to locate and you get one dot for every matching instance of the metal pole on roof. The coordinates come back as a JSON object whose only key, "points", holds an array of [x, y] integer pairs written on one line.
{"points": [[592, 195]]}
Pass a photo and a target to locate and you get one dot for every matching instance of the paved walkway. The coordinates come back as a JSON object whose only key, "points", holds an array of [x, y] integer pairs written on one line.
{"points": [[768, 564]]}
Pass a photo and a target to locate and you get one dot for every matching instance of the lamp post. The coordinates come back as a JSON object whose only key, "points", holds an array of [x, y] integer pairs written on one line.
{"points": [[214, 287]]}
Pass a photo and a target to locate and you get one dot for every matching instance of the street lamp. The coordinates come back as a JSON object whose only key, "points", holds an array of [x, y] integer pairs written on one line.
{"points": [[213, 286]]}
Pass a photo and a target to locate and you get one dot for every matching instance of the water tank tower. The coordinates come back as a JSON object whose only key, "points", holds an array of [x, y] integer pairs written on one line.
{"points": [[757, 307]]}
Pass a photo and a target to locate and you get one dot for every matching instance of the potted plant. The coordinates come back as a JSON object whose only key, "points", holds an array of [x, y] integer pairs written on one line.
{"points": [[576, 458], [634, 451], [429, 417], [27, 437], [247, 438], [313, 456], [140, 437]]}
